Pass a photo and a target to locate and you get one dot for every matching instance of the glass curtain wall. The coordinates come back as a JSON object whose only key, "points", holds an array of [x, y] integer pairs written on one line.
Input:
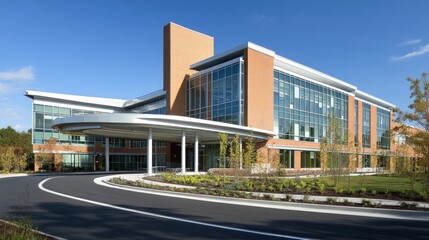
{"points": [[366, 125], [217, 94], [383, 129], [301, 108], [43, 115]]}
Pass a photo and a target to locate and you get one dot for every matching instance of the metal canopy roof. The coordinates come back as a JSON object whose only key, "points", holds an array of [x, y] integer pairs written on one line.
{"points": [[167, 128]]}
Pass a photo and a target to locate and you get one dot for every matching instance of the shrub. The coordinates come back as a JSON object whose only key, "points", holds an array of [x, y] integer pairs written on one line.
{"points": [[374, 192], [362, 190], [366, 202], [408, 205], [331, 200]]}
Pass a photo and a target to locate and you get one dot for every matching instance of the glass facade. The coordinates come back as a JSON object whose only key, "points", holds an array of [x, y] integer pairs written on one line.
{"points": [[383, 129], [301, 108], [217, 94], [366, 125], [43, 115], [155, 106]]}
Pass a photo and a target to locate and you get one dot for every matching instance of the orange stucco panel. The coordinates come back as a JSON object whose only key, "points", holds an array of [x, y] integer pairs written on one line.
{"points": [[259, 90], [182, 47]]}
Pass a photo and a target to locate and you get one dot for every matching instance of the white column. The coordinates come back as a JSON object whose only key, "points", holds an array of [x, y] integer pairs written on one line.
{"points": [[149, 151], [196, 153], [106, 153], [241, 153], [183, 146]]}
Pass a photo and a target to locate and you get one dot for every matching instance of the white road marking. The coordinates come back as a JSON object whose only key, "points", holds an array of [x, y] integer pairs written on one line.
{"points": [[164, 216]]}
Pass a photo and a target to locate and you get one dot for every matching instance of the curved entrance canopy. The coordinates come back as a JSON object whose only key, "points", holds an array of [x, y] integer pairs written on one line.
{"points": [[168, 128]]}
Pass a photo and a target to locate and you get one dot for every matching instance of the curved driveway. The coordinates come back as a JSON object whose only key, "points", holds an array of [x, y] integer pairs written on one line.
{"points": [[72, 219]]}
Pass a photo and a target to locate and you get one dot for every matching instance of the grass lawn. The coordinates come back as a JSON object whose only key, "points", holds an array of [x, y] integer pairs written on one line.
{"points": [[380, 183], [382, 186]]}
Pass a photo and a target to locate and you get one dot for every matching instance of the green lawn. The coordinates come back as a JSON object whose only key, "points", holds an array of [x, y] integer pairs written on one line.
{"points": [[376, 186], [390, 184]]}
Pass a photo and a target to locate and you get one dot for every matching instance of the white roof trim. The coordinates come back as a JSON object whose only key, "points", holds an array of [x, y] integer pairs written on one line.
{"points": [[235, 50], [311, 73], [371, 99], [111, 102]]}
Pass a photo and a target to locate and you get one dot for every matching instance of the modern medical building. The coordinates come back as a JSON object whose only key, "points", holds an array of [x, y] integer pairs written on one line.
{"points": [[248, 90]]}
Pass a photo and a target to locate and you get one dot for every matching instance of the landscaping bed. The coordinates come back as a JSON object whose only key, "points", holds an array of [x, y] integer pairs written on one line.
{"points": [[20, 230], [239, 187]]}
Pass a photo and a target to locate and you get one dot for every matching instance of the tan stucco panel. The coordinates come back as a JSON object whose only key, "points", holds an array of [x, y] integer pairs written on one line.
{"points": [[182, 47], [259, 90]]}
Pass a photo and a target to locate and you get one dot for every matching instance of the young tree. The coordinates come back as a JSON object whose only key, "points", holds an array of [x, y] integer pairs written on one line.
{"points": [[419, 115], [234, 152], [335, 151], [223, 147], [249, 153]]}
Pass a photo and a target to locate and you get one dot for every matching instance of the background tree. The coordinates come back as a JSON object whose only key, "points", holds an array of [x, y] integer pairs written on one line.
{"points": [[18, 143], [418, 115]]}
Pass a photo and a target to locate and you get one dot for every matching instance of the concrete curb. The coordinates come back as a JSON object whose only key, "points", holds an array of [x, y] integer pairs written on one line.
{"points": [[307, 207]]}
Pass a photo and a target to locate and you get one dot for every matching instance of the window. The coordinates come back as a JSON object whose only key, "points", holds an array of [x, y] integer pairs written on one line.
{"points": [[366, 125], [310, 159]]}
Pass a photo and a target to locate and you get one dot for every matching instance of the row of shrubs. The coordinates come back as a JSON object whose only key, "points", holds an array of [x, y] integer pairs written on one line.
{"points": [[276, 185], [225, 192]]}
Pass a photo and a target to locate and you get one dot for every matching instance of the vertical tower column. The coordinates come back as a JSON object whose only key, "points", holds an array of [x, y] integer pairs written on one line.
{"points": [[196, 153], [106, 153], [149, 151], [183, 153]]}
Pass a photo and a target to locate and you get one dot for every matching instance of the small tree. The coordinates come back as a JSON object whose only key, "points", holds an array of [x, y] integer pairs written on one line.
{"points": [[249, 153], [335, 151], [223, 148], [45, 159], [234, 152]]}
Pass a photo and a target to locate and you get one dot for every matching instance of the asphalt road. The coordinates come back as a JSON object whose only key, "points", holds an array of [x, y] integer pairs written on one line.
{"points": [[72, 219]]}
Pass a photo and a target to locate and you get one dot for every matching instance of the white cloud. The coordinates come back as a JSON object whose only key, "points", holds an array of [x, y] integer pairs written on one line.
{"points": [[410, 42], [22, 74], [421, 51]]}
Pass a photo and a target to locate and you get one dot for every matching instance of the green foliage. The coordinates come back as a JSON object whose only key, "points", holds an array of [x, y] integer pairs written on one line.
{"points": [[234, 152], [408, 205], [20, 144], [366, 202], [333, 148], [249, 153], [223, 147], [12, 160], [418, 140], [331, 200]]}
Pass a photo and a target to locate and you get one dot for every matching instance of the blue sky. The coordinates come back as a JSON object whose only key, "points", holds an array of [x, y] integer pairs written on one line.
{"points": [[107, 48]]}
